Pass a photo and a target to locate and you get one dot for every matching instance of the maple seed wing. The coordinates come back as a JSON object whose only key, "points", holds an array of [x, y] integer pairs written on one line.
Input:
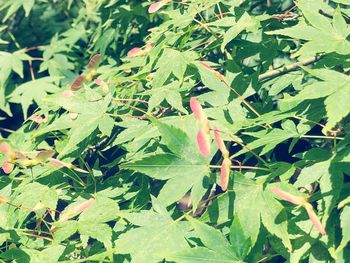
{"points": [[225, 173], [135, 52], [7, 167], [95, 61], [203, 142], [220, 142], [155, 7], [78, 82], [314, 219], [297, 200], [5, 148], [197, 110]]}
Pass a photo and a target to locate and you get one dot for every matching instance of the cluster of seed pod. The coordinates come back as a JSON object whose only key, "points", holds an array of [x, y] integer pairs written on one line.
{"points": [[41, 157], [204, 141], [300, 201], [82, 78], [138, 52]]}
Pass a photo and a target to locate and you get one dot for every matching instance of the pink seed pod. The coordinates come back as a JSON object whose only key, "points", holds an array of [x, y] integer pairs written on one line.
{"points": [[60, 163], [37, 118], [135, 52], [105, 89], [217, 73], [5, 148], [314, 219], [225, 173], [220, 143], [203, 142], [155, 7], [99, 82], [7, 167], [297, 200], [94, 61], [148, 48], [206, 65], [103, 85], [78, 82], [75, 210], [67, 93], [83, 206], [198, 111], [80, 170], [3, 199]]}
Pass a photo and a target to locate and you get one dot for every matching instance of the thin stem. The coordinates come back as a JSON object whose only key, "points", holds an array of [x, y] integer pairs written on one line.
{"points": [[205, 26], [201, 44], [252, 152], [38, 236], [31, 69], [33, 48], [241, 167], [322, 137], [244, 100], [135, 100], [135, 108], [219, 8], [314, 122], [125, 116], [289, 68]]}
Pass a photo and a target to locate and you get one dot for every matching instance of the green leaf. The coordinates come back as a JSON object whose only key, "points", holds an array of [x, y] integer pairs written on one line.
{"points": [[199, 254], [106, 125], [245, 22], [99, 231], [253, 203], [34, 91], [240, 243], [184, 170], [212, 238], [344, 221], [152, 242]]}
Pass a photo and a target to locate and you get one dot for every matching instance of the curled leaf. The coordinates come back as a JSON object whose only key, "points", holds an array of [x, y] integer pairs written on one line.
{"points": [[314, 219], [94, 61], [225, 173], [78, 82], [297, 200], [45, 154], [220, 143], [203, 142]]}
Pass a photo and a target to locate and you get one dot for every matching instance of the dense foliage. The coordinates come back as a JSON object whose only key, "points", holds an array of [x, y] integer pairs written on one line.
{"points": [[174, 131]]}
